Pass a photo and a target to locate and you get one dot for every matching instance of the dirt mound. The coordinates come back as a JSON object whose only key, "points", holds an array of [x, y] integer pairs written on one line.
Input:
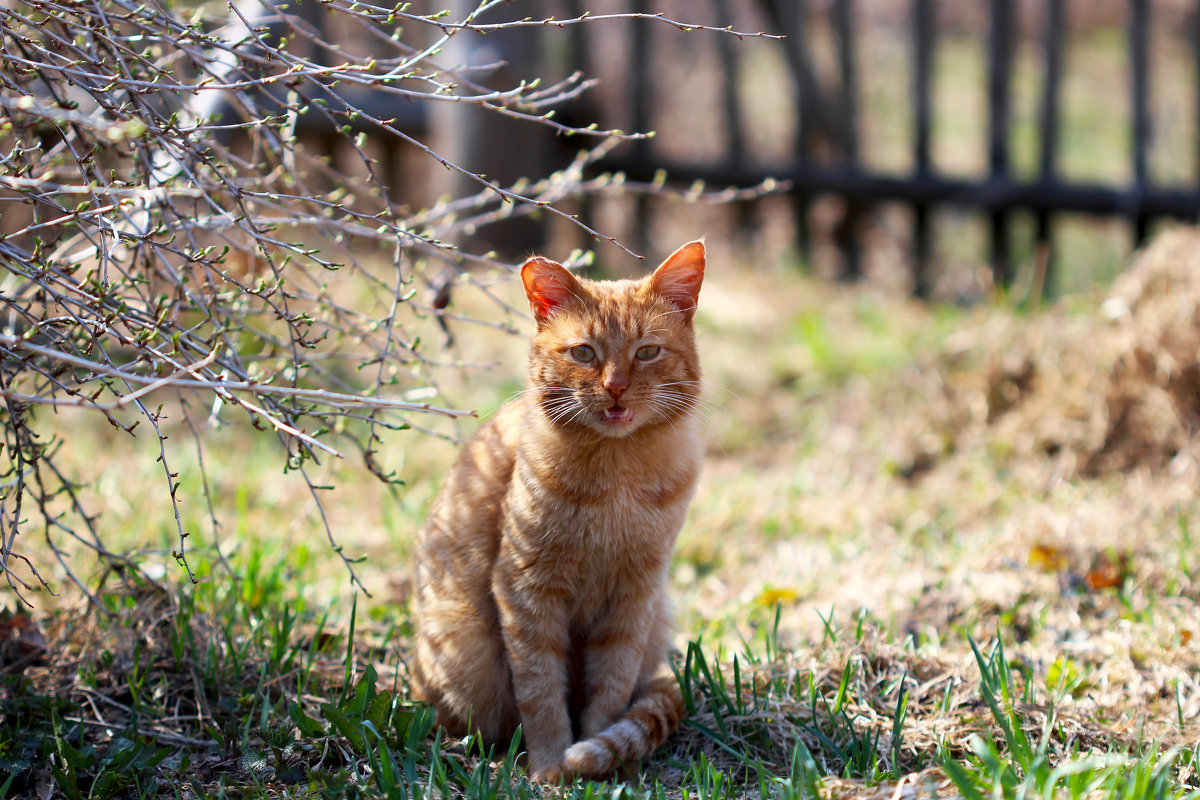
{"points": [[1153, 398], [1107, 390]]}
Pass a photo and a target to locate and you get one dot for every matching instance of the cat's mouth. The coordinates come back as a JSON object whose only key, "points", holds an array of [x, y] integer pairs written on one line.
{"points": [[617, 415]]}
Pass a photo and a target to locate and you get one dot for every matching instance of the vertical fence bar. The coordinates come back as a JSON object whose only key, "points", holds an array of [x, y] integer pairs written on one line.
{"points": [[1048, 113], [640, 107], [1196, 82], [1139, 28], [999, 74], [732, 109], [923, 49], [791, 15], [848, 75], [577, 58], [729, 96], [848, 229], [577, 62]]}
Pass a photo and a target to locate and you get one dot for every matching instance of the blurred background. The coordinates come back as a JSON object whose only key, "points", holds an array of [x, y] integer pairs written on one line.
{"points": [[322, 205], [257, 286], [305, 219], [944, 149]]}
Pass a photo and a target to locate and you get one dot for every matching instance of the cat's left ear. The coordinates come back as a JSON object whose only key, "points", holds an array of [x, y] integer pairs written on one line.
{"points": [[548, 285], [678, 278]]}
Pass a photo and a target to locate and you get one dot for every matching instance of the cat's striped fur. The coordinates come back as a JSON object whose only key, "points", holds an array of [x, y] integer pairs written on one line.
{"points": [[540, 590]]}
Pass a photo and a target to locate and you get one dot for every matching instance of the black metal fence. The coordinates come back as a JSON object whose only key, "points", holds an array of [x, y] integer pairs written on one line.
{"points": [[819, 85], [827, 143]]}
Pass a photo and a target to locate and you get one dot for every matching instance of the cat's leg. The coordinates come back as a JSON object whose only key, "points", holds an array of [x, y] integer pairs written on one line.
{"points": [[657, 694], [652, 716], [533, 621], [461, 668], [658, 645], [616, 652]]}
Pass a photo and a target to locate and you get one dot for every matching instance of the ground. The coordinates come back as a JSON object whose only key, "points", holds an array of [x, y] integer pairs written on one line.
{"points": [[936, 551]]}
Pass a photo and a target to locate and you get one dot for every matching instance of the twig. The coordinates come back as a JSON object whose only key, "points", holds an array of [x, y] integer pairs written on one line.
{"points": [[216, 384], [156, 252]]}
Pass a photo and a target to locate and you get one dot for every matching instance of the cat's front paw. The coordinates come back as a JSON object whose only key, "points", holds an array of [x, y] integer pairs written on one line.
{"points": [[552, 775]]}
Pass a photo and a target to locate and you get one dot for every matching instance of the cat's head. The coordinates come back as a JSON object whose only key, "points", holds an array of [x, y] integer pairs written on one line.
{"points": [[615, 356]]}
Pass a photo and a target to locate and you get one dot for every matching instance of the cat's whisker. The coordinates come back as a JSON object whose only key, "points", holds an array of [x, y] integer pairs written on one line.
{"points": [[692, 406], [698, 406], [555, 391], [690, 400], [704, 385], [668, 407], [697, 402], [701, 415], [682, 403], [668, 418], [708, 402], [536, 390], [556, 400], [491, 411], [567, 411], [561, 411], [557, 394], [559, 408]]}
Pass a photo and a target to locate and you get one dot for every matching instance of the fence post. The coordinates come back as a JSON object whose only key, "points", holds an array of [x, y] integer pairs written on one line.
{"points": [[999, 75], [639, 90], [1196, 110], [788, 17], [730, 105], [1139, 26], [923, 46], [577, 61], [850, 226], [487, 143], [1052, 43]]}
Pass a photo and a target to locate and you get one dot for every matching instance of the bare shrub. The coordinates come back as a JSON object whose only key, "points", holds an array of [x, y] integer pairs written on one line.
{"points": [[170, 244]]}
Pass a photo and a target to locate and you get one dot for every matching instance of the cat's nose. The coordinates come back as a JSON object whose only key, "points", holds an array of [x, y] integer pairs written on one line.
{"points": [[615, 382]]}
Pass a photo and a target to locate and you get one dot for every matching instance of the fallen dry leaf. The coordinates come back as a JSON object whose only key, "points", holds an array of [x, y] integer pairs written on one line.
{"points": [[1047, 558], [1107, 572]]}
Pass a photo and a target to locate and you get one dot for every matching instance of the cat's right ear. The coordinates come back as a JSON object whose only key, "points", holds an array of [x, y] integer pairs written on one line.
{"points": [[548, 285], [678, 278]]}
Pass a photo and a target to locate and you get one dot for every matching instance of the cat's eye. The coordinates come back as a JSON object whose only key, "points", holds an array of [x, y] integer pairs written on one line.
{"points": [[583, 354], [648, 352]]}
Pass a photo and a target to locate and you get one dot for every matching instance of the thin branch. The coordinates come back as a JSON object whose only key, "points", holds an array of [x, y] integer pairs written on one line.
{"points": [[213, 383], [155, 255]]}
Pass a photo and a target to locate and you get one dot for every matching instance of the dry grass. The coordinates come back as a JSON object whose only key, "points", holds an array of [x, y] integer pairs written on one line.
{"points": [[892, 480], [1031, 477]]}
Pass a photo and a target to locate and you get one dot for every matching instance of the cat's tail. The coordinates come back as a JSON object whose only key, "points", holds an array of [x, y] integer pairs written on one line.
{"points": [[653, 717]]}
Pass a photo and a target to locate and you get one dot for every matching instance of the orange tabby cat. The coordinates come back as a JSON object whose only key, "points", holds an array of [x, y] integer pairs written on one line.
{"points": [[540, 590]]}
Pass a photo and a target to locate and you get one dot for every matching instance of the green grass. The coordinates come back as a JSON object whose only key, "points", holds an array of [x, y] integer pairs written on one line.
{"points": [[841, 612], [1020, 766], [213, 699]]}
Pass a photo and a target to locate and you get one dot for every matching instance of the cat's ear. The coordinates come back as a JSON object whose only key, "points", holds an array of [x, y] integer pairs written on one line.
{"points": [[548, 285], [678, 278]]}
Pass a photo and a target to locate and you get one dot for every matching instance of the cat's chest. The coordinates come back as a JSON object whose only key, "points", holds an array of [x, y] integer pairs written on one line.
{"points": [[592, 551], [625, 525], [606, 490], [607, 517]]}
